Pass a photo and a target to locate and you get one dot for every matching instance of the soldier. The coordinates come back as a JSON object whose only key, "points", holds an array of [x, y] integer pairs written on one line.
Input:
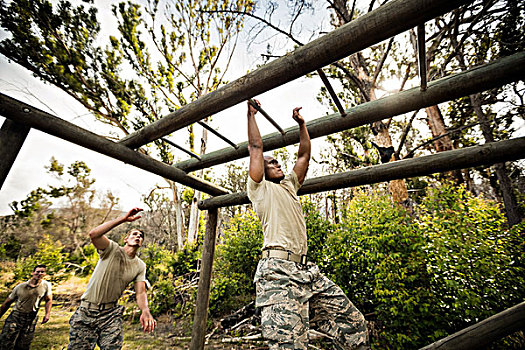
{"points": [[98, 319], [291, 292], [19, 327]]}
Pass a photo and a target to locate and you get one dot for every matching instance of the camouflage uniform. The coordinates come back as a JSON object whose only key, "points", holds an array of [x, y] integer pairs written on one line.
{"points": [[90, 327], [288, 292], [18, 331]]}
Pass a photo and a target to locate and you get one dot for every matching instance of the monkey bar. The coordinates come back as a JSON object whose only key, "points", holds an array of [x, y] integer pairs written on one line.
{"points": [[487, 154], [33, 117], [488, 76], [388, 20]]}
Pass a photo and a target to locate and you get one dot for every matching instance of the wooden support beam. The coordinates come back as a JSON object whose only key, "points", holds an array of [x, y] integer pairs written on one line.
{"points": [[216, 133], [30, 116], [332, 93], [266, 115], [171, 143], [200, 318], [386, 21], [475, 80], [12, 137], [422, 57], [468, 157], [481, 334]]}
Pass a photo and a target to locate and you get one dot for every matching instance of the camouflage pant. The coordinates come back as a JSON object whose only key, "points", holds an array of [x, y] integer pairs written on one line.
{"points": [[92, 327], [294, 297], [18, 331]]}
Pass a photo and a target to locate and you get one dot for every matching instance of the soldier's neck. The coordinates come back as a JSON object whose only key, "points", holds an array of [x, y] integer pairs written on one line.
{"points": [[34, 282]]}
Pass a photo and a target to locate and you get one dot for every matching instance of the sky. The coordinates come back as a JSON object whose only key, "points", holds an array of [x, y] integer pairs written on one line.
{"points": [[127, 182]]}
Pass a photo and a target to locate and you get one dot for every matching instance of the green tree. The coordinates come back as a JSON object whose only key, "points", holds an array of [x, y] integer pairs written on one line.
{"points": [[235, 263], [77, 208], [159, 59]]}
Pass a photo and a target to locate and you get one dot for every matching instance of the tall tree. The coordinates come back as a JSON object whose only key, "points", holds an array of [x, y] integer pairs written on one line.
{"points": [[64, 211], [161, 57]]}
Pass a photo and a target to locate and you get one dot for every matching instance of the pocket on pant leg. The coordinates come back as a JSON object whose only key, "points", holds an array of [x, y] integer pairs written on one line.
{"points": [[285, 323]]}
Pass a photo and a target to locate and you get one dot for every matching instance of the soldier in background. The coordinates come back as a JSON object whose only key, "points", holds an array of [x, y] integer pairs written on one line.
{"points": [[98, 319], [291, 292], [19, 327]]}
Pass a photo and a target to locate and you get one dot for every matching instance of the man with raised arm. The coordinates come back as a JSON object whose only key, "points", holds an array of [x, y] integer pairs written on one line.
{"points": [[98, 319], [291, 292], [19, 327]]}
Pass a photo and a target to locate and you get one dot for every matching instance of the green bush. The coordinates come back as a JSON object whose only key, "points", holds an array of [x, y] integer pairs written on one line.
{"points": [[475, 263], [423, 277], [185, 260], [49, 253], [157, 260], [376, 257], [166, 271], [318, 229], [236, 262], [85, 260]]}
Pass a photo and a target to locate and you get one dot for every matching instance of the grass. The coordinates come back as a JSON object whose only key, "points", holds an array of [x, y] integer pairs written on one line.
{"points": [[54, 335]]}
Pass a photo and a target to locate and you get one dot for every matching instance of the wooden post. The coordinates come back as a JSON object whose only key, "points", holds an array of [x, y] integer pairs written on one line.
{"points": [[200, 319], [478, 79], [422, 59], [12, 137], [481, 334], [486, 154], [30, 116], [388, 20]]}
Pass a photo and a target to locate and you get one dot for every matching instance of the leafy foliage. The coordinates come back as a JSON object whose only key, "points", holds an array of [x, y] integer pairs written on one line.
{"points": [[475, 263], [236, 262], [50, 254], [166, 271], [422, 278]]}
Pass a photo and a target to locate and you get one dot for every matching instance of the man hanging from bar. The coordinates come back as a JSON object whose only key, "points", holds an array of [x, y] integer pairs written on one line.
{"points": [[291, 292], [98, 319]]}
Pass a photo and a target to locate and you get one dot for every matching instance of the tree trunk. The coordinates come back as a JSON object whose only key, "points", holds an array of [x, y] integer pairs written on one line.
{"points": [[193, 226], [436, 124], [179, 216], [509, 200]]}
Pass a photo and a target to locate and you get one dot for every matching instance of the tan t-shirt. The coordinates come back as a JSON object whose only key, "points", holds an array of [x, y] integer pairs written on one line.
{"points": [[114, 271], [280, 212], [28, 298]]}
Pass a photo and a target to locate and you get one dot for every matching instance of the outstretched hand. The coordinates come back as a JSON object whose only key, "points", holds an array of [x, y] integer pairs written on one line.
{"points": [[132, 215], [297, 116], [147, 322], [251, 109]]}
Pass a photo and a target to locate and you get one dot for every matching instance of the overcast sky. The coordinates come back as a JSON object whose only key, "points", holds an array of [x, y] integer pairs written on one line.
{"points": [[128, 182]]}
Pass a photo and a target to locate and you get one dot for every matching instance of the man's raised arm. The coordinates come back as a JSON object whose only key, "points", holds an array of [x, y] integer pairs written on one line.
{"points": [[255, 146], [303, 154], [97, 234]]}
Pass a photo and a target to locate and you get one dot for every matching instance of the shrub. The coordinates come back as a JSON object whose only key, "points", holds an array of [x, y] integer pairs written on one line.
{"points": [[50, 254], [475, 263], [376, 258], [318, 229], [236, 262], [84, 259]]}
